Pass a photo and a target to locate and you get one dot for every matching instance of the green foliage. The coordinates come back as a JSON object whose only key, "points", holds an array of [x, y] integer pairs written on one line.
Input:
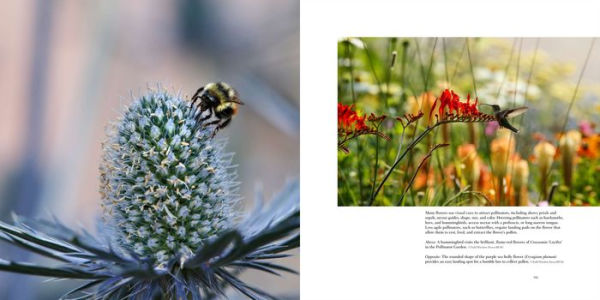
{"points": [[586, 187]]}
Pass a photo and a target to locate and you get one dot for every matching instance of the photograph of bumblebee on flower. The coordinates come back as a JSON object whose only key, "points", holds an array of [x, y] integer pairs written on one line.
{"points": [[468, 121]]}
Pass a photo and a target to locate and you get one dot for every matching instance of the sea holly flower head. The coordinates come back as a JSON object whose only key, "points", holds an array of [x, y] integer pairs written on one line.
{"points": [[171, 226], [166, 185]]}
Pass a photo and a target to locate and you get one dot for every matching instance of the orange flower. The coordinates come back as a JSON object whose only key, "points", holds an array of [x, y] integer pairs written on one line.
{"points": [[543, 154], [590, 147], [424, 178], [501, 150], [470, 163], [486, 184]]}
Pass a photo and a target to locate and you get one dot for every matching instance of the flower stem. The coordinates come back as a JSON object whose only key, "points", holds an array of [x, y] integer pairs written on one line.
{"points": [[375, 167], [501, 197], [419, 168], [408, 149]]}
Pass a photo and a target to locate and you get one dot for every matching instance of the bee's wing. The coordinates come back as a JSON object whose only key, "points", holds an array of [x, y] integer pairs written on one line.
{"points": [[515, 112]]}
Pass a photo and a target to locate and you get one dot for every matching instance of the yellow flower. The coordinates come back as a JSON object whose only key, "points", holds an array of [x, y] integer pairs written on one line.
{"points": [[568, 145], [544, 156], [502, 148], [519, 181], [520, 174], [570, 141]]}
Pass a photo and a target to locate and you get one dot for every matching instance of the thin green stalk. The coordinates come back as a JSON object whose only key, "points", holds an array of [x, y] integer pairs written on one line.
{"points": [[426, 80], [471, 66], [445, 60], [439, 165], [408, 149], [388, 73], [564, 127], [510, 137], [350, 58], [417, 170], [525, 97], [501, 191], [403, 69], [462, 53], [347, 187], [370, 59], [375, 167], [390, 66], [421, 66], [430, 66], [379, 88], [552, 190], [506, 69], [400, 144]]}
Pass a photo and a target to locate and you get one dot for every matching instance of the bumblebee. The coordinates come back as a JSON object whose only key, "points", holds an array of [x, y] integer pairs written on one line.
{"points": [[219, 100]]}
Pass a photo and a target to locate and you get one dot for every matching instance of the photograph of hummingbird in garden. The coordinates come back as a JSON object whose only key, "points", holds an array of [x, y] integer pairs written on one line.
{"points": [[502, 116]]}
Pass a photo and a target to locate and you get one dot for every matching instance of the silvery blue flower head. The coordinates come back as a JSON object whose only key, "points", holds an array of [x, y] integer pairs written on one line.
{"points": [[171, 224], [167, 187]]}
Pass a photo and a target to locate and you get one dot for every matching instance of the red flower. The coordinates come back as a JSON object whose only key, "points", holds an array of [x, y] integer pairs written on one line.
{"points": [[352, 125], [457, 109], [348, 120]]}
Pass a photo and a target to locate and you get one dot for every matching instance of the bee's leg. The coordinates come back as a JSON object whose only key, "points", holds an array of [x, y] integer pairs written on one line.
{"points": [[212, 123], [210, 113], [200, 118], [196, 95], [220, 126]]}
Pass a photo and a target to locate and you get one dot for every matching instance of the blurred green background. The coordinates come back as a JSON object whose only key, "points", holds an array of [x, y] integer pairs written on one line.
{"points": [[68, 67]]}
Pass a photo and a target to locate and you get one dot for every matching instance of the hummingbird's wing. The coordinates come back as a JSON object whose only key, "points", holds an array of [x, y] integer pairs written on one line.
{"points": [[511, 113]]}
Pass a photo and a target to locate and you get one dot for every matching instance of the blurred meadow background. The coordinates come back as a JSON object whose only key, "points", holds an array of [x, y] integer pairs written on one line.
{"points": [[68, 67], [392, 151]]}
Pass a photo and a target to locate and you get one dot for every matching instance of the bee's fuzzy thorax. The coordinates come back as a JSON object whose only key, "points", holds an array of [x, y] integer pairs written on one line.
{"points": [[166, 186]]}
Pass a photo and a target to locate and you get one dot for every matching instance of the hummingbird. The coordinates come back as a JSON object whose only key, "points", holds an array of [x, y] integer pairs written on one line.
{"points": [[502, 116]]}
